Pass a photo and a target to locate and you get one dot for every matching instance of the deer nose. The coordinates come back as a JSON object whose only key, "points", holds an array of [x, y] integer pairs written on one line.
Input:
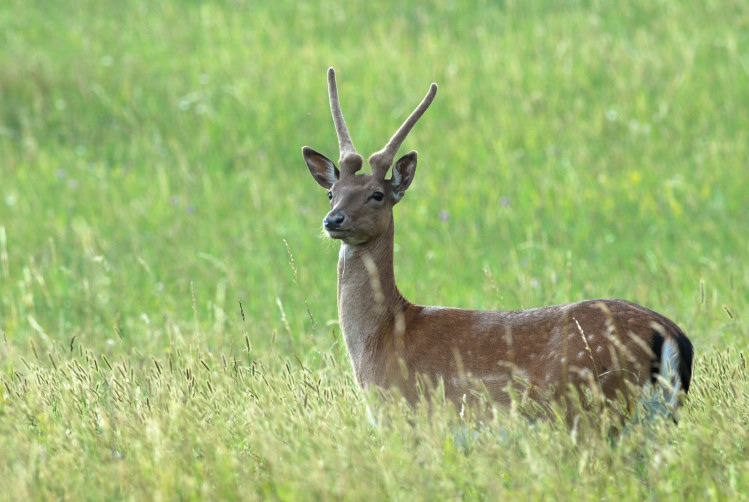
{"points": [[333, 221]]}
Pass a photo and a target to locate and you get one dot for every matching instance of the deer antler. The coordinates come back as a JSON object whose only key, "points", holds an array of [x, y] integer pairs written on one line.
{"points": [[382, 160], [349, 160]]}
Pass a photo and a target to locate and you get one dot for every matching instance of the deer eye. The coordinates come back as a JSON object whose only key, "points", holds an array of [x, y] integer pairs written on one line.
{"points": [[378, 196], [330, 195]]}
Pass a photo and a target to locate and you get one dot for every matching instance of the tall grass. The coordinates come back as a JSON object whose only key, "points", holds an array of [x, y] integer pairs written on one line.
{"points": [[167, 309]]}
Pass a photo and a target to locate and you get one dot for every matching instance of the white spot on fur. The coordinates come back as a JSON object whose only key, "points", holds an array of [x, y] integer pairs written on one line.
{"points": [[581, 354], [494, 378]]}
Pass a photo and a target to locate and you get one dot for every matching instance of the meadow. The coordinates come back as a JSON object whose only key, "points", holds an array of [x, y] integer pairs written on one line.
{"points": [[167, 299]]}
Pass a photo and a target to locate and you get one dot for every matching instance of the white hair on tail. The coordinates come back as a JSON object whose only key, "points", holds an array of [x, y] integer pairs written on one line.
{"points": [[669, 377], [663, 397]]}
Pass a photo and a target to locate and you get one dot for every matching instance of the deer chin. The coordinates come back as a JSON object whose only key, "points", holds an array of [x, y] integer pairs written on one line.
{"points": [[345, 236]]}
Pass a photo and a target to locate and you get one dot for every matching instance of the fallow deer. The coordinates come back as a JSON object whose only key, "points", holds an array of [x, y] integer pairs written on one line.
{"points": [[614, 347]]}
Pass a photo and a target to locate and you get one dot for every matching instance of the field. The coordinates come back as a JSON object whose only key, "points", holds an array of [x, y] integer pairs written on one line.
{"points": [[167, 299]]}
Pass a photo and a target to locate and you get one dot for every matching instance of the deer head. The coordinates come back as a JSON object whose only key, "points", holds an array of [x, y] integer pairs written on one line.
{"points": [[361, 204]]}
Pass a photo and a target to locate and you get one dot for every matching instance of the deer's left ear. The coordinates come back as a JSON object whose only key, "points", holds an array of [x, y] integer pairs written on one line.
{"points": [[403, 175]]}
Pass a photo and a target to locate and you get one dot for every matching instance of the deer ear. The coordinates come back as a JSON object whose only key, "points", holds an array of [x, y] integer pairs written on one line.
{"points": [[322, 168], [403, 174]]}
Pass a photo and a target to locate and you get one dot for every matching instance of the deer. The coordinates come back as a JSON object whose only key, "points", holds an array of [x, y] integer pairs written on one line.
{"points": [[609, 348]]}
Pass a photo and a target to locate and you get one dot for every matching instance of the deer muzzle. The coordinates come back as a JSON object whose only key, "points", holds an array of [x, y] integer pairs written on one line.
{"points": [[333, 221]]}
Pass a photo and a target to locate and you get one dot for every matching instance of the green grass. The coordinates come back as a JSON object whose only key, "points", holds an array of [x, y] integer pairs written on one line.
{"points": [[167, 305]]}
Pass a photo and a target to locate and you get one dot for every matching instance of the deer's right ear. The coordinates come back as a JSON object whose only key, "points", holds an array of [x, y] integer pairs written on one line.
{"points": [[322, 168]]}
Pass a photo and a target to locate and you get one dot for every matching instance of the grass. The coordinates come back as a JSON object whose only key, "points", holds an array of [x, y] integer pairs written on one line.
{"points": [[167, 304]]}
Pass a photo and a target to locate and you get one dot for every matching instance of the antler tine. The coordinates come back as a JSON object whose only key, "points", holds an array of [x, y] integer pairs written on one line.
{"points": [[349, 160], [382, 160]]}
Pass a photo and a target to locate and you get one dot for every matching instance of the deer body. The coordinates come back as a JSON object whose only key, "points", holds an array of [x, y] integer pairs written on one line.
{"points": [[613, 346]]}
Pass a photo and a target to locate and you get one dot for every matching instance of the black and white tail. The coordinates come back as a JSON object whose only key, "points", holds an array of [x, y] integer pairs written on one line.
{"points": [[671, 372]]}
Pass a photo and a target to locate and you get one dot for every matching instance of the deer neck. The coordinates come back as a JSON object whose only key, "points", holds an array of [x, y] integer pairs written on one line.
{"points": [[368, 300]]}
